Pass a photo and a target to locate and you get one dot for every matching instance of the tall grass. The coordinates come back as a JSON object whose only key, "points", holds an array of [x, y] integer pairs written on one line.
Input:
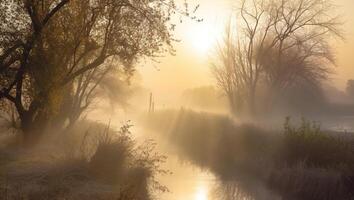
{"points": [[94, 163], [299, 162], [307, 143]]}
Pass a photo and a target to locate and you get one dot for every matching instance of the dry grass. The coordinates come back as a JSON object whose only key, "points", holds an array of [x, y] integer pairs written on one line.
{"points": [[301, 162], [97, 164]]}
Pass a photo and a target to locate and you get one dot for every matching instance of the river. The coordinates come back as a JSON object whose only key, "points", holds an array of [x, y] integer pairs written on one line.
{"points": [[186, 181]]}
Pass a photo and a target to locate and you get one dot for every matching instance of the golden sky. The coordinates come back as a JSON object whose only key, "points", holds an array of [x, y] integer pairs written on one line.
{"points": [[191, 66], [345, 49]]}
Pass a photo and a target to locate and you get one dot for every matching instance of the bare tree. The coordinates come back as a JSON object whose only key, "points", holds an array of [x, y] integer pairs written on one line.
{"points": [[277, 43], [230, 72]]}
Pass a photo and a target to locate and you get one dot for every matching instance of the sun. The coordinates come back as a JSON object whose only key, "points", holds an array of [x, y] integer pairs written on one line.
{"points": [[202, 37], [201, 194]]}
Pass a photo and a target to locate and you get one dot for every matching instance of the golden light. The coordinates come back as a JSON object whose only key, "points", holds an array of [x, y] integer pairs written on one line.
{"points": [[201, 193], [203, 36]]}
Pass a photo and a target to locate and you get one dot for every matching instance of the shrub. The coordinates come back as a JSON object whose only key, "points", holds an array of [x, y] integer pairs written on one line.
{"points": [[105, 165], [308, 144], [119, 160], [112, 154], [300, 162]]}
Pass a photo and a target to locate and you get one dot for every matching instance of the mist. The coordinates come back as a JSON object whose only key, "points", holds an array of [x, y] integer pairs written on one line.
{"points": [[176, 100]]}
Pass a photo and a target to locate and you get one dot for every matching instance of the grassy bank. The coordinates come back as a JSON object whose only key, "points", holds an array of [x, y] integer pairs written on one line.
{"points": [[91, 161], [294, 162]]}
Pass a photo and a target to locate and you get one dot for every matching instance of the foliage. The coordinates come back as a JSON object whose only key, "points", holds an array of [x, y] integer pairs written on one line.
{"points": [[52, 50], [300, 162], [308, 144], [102, 164]]}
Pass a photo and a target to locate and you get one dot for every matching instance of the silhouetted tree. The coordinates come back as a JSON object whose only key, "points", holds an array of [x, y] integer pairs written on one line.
{"points": [[276, 43], [49, 49], [350, 88]]}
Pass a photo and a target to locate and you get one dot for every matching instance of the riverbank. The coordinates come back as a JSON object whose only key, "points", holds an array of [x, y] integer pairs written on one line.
{"points": [[293, 162], [91, 161]]}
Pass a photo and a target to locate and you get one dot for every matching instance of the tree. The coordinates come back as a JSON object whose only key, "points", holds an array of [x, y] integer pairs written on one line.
{"points": [[350, 88], [277, 43], [234, 74], [49, 49]]}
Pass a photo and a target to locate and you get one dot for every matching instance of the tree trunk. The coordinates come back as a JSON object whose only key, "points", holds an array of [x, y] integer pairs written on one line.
{"points": [[234, 105], [33, 127], [252, 110]]}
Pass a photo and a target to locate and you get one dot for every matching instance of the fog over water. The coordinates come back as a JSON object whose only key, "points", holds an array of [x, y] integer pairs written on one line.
{"points": [[177, 100]]}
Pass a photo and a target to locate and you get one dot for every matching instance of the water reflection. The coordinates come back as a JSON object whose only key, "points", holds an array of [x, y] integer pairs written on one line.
{"points": [[186, 181]]}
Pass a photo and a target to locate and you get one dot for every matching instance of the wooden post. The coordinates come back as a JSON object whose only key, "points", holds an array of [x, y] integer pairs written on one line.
{"points": [[150, 102]]}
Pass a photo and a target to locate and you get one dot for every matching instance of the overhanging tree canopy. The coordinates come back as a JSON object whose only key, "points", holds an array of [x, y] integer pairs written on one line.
{"points": [[45, 45]]}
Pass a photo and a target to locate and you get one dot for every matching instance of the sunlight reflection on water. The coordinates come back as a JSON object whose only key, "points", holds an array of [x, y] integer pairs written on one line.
{"points": [[186, 182]]}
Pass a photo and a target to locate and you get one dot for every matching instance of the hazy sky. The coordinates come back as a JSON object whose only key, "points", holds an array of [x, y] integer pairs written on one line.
{"points": [[345, 49], [191, 66]]}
